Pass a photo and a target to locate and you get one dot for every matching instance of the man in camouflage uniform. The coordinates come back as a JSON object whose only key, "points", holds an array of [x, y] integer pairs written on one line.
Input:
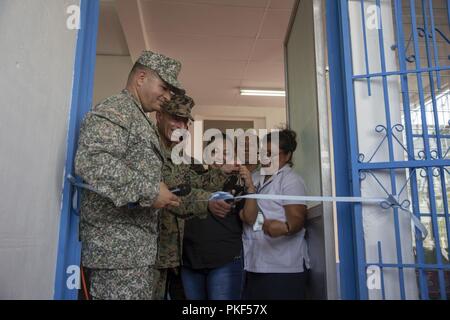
{"points": [[176, 115], [119, 156]]}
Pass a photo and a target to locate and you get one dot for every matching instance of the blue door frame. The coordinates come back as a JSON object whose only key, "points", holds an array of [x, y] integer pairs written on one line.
{"points": [[341, 139], [69, 247]]}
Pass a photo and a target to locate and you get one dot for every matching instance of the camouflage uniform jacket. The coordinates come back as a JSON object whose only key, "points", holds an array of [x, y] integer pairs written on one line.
{"points": [[171, 228], [120, 157]]}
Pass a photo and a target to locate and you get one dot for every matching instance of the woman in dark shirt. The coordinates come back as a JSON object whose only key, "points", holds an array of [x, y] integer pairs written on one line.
{"points": [[212, 253]]}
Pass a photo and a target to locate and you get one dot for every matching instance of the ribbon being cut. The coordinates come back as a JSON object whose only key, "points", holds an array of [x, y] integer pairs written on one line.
{"points": [[385, 203]]}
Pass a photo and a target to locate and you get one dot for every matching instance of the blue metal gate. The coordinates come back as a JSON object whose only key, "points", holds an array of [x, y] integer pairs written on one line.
{"points": [[408, 41]]}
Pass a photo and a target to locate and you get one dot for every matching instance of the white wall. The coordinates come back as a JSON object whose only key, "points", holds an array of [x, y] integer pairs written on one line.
{"points": [[111, 73], [36, 71], [263, 117]]}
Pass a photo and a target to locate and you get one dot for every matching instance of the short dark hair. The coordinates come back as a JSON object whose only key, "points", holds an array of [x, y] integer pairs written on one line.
{"points": [[287, 141], [137, 67]]}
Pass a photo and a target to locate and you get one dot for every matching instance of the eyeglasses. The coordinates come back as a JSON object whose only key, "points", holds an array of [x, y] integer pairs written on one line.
{"points": [[176, 118]]}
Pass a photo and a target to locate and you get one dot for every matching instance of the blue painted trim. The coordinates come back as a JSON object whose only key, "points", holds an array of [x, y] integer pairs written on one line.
{"points": [[431, 190], [366, 54], [380, 261], [409, 138], [392, 175], [69, 247], [353, 155], [346, 234], [397, 73], [417, 266], [403, 164]]}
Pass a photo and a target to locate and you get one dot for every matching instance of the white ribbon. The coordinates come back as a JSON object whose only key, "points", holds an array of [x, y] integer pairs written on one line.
{"points": [[310, 199], [390, 202], [383, 202]]}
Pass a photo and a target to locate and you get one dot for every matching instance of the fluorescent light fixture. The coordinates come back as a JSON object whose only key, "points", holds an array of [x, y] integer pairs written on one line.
{"points": [[263, 93]]}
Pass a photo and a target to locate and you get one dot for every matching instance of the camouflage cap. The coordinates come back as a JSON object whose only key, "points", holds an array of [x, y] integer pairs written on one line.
{"points": [[167, 68], [180, 105]]}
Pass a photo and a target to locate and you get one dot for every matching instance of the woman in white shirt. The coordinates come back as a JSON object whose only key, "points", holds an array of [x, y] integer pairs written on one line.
{"points": [[275, 249]]}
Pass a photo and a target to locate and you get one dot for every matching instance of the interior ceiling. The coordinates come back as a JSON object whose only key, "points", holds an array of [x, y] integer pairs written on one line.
{"points": [[224, 45]]}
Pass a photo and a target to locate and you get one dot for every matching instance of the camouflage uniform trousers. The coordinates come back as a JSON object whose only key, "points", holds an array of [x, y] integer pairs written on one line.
{"points": [[168, 284], [160, 288], [121, 284]]}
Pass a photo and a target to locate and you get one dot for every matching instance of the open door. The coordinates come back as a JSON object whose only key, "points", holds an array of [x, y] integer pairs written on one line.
{"points": [[308, 115]]}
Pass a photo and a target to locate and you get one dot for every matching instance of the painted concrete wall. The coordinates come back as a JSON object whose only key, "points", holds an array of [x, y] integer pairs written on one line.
{"points": [[269, 118], [113, 61], [36, 74], [263, 118], [111, 73]]}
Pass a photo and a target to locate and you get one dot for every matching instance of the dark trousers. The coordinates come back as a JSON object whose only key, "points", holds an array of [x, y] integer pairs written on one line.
{"points": [[275, 286]]}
